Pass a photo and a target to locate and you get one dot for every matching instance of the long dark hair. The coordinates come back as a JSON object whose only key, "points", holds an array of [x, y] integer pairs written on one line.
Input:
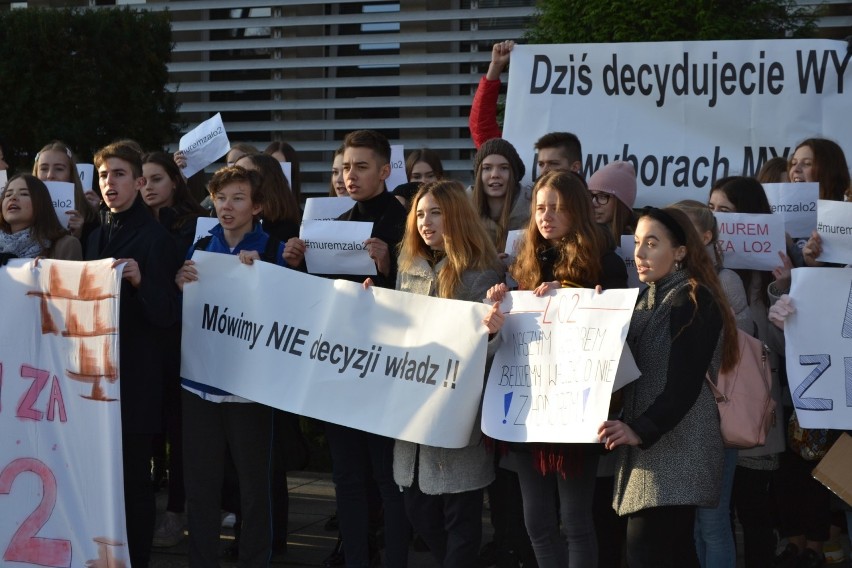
{"points": [[293, 159], [184, 205], [580, 251], [701, 272], [46, 228]]}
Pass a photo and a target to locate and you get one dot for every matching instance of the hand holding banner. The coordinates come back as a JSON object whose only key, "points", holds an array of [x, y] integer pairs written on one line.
{"points": [[401, 365]]}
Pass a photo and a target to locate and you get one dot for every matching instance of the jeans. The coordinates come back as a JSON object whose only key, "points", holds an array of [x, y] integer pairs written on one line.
{"points": [[714, 535]]}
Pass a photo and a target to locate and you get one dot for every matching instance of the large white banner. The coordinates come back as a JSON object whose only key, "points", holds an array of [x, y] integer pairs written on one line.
{"points": [[685, 113], [552, 378], [397, 364], [61, 485], [819, 347]]}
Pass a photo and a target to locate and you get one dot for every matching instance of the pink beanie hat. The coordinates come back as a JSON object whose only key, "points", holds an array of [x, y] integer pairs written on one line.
{"points": [[617, 178]]}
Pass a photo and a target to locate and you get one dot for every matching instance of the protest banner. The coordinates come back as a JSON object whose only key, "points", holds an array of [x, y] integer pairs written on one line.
{"points": [[797, 203], [818, 337], [326, 208], [552, 377], [397, 167], [684, 113], [751, 240], [203, 145], [337, 247], [397, 364], [62, 196], [834, 225], [87, 175], [61, 484]]}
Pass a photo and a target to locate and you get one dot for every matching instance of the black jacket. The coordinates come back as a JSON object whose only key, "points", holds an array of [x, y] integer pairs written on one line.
{"points": [[144, 311]]}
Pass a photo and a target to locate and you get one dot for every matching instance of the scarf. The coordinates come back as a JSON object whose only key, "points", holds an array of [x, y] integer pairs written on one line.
{"points": [[21, 244]]}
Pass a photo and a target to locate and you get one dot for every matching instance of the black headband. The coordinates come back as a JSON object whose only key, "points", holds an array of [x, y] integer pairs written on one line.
{"points": [[668, 221]]}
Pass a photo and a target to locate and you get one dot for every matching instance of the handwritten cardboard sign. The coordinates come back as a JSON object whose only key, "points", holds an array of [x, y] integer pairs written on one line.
{"points": [[553, 375]]}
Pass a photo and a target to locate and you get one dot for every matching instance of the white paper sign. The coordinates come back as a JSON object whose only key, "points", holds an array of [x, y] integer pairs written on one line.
{"points": [[514, 239], [87, 175], [287, 168], [834, 225], [397, 165], [401, 365], [326, 208], [649, 103], [337, 247], [818, 339], [625, 251], [797, 202], [203, 226], [204, 144], [3, 179], [751, 241], [61, 481], [553, 375], [62, 195]]}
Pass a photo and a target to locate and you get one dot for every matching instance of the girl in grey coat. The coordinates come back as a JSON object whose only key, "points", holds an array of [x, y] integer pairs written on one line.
{"points": [[446, 252], [670, 447]]}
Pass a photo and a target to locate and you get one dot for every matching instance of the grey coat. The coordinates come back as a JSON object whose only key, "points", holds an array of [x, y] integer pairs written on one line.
{"points": [[680, 460], [444, 470]]}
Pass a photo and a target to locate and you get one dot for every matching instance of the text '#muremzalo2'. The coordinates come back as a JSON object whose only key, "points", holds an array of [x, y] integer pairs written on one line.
{"points": [[401, 365], [683, 113]]}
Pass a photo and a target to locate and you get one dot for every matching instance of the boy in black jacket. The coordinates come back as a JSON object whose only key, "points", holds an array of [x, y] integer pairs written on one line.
{"points": [[132, 236], [357, 455]]}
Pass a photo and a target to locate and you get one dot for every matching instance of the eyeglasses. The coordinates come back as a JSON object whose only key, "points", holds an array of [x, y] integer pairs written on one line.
{"points": [[600, 198]]}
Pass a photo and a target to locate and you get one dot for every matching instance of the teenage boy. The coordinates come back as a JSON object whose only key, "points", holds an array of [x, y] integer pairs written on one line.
{"points": [[216, 421], [560, 151], [357, 455], [132, 236]]}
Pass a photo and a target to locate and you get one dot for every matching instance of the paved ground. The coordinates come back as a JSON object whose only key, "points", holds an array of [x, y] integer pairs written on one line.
{"points": [[311, 505], [308, 543]]}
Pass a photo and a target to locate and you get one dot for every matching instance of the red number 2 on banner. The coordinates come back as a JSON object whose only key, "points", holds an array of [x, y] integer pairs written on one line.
{"points": [[25, 546]]}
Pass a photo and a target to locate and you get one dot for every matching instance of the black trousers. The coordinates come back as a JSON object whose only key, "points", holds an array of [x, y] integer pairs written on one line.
{"points": [[662, 537], [450, 524], [139, 504], [209, 429]]}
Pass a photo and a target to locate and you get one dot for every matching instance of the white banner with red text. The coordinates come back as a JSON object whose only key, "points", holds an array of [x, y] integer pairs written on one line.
{"points": [[61, 484]]}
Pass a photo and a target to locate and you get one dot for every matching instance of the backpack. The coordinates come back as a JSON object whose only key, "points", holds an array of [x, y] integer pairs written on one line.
{"points": [[743, 396], [269, 254]]}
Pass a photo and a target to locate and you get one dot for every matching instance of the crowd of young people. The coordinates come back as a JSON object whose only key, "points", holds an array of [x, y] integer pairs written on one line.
{"points": [[659, 490]]}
